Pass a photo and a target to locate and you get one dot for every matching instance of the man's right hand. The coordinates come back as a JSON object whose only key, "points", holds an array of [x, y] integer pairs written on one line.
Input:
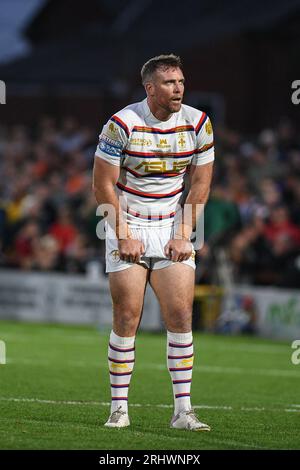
{"points": [[131, 250]]}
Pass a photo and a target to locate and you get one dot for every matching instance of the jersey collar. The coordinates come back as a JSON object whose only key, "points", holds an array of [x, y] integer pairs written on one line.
{"points": [[150, 118]]}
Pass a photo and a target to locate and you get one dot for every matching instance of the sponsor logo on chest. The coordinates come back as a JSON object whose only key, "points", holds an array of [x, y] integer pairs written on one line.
{"points": [[140, 142], [177, 142], [163, 144], [162, 166]]}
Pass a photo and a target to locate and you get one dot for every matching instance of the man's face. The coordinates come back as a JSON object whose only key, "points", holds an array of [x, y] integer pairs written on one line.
{"points": [[167, 88]]}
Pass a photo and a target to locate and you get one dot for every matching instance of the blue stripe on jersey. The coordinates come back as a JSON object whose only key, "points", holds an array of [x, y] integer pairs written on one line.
{"points": [[149, 196], [157, 155]]}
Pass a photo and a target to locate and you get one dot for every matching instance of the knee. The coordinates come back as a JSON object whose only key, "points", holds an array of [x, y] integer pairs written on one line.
{"points": [[127, 315], [182, 314], [180, 320]]}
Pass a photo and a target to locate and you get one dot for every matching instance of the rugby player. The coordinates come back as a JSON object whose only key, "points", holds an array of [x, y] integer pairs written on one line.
{"points": [[143, 154]]}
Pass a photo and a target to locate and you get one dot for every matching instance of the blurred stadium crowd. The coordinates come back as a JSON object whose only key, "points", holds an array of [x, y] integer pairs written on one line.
{"points": [[48, 211]]}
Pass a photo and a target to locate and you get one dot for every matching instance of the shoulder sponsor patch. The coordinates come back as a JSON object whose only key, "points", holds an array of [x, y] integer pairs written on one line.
{"points": [[110, 141], [107, 145]]}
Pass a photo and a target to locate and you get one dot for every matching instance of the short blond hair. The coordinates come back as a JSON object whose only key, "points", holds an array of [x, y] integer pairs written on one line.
{"points": [[160, 61]]}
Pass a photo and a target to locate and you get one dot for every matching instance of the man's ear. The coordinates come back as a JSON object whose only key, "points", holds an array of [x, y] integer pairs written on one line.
{"points": [[149, 87]]}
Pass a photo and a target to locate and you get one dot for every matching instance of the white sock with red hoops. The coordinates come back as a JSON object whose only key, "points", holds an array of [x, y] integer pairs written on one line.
{"points": [[180, 355], [121, 361]]}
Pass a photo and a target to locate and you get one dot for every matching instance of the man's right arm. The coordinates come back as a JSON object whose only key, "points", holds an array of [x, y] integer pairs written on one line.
{"points": [[105, 177]]}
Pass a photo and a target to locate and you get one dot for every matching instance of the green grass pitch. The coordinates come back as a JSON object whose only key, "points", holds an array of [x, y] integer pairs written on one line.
{"points": [[54, 392]]}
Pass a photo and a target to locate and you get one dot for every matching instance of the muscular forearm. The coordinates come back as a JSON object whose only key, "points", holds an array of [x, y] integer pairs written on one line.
{"points": [[192, 210], [105, 194]]}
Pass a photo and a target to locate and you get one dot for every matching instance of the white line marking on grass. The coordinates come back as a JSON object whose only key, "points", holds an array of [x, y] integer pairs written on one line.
{"points": [[88, 339], [247, 348], [239, 370], [236, 443], [163, 367], [100, 403], [213, 407], [139, 405], [54, 402], [61, 337], [253, 409], [232, 370]]}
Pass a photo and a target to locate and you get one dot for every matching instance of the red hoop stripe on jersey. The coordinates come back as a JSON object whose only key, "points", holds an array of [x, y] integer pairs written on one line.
{"points": [[149, 195], [176, 382], [200, 123], [179, 395], [150, 216], [165, 174], [120, 123], [119, 398], [120, 373], [155, 130], [133, 153], [118, 361], [173, 369], [176, 345], [120, 350], [119, 386], [180, 357], [204, 148]]}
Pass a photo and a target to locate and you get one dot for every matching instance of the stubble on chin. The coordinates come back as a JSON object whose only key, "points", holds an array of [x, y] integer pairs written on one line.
{"points": [[175, 108]]}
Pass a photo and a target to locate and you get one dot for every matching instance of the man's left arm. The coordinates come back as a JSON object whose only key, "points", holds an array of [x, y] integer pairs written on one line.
{"points": [[180, 248], [200, 181], [200, 176]]}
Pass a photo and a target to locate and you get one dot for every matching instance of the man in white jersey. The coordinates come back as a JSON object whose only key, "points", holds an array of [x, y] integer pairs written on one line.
{"points": [[143, 153]]}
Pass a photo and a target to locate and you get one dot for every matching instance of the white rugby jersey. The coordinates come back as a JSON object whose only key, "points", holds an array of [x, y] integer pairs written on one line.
{"points": [[153, 157]]}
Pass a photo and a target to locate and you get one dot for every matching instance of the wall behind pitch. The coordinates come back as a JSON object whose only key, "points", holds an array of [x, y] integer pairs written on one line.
{"points": [[56, 298]]}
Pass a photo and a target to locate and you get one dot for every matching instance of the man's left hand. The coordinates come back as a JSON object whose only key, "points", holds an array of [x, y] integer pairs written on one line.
{"points": [[178, 250]]}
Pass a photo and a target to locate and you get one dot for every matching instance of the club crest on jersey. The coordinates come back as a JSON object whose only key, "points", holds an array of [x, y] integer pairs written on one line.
{"points": [[208, 127], [115, 255], [181, 141]]}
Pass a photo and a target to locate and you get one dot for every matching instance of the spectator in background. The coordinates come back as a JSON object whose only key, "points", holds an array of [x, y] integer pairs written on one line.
{"points": [[25, 242], [221, 214], [64, 230], [70, 137], [78, 254], [265, 251], [282, 234], [253, 211], [46, 255]]}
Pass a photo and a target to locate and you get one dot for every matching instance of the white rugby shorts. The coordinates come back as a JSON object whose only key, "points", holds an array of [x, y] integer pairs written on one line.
{"points": [[154, 240]]}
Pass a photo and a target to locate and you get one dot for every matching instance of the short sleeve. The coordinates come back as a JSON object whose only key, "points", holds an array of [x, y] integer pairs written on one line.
{"points": [[112, 140], [204, 152]]}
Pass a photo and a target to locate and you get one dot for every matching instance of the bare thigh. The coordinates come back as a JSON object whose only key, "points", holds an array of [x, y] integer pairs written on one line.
{"points": [[174, 288], [127, 289]]}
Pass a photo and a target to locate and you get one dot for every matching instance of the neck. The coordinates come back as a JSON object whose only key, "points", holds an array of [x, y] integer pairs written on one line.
{"points": [[160, 113]]}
